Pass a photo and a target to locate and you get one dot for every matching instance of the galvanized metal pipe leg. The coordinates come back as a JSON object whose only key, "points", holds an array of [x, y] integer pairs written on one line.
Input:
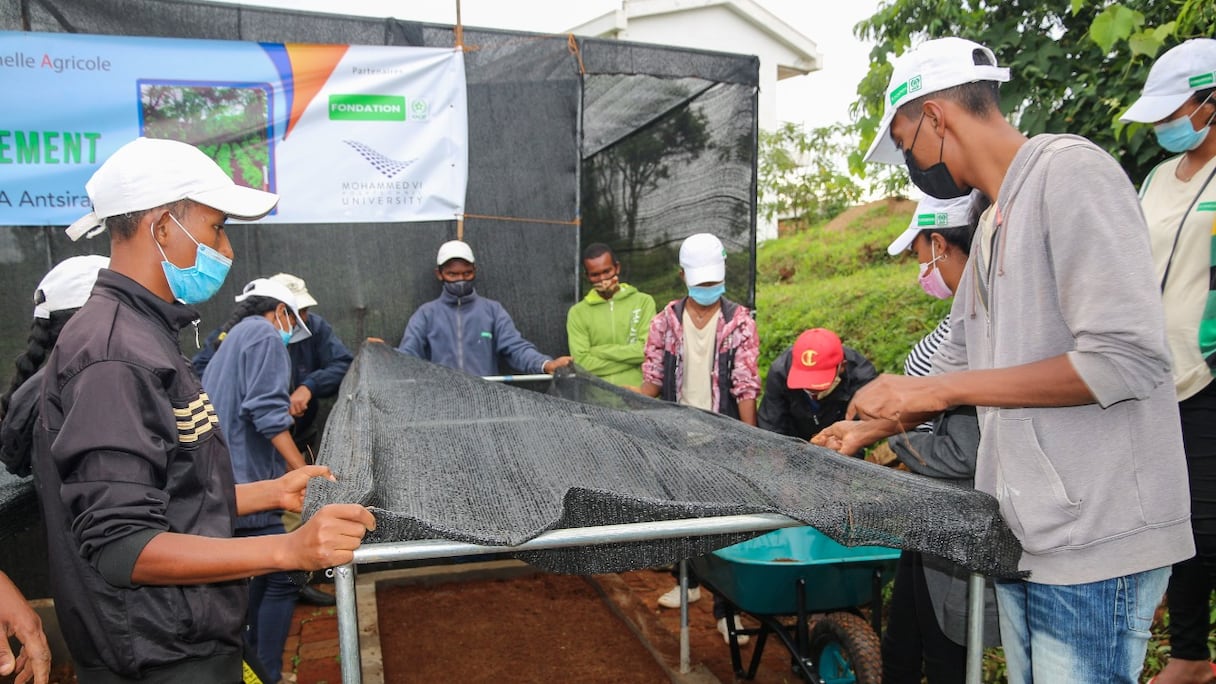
{"points": [[348, 624], [975, 628], [685, 666]]}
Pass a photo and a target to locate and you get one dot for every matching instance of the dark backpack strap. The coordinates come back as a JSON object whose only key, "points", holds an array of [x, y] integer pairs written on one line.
{"points": [[668, 390], [728, 309], [678, 308], [727, 404]]}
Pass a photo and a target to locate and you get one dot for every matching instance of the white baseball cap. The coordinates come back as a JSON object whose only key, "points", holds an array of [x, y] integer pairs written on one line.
{"points": [[703, 259], [454, 249], [265, 287], [935, 213], [932, 67], [1177, 74], [303, 299], [147, 173], [68, 285]]}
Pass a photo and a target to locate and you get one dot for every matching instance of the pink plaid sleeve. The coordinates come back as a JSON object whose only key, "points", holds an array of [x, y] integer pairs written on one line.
{"points": [[745, 378], [652, 363]]}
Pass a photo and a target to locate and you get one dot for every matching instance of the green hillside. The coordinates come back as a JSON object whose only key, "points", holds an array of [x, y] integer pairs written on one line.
{"points": [[838, 275]]}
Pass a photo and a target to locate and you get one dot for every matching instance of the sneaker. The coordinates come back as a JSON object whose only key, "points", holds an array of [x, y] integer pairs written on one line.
{"points": [[743, 638], [672, 598]]}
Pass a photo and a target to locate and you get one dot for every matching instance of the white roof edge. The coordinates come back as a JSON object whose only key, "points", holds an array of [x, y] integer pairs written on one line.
{"points": [[610, 24], [809, 58]]}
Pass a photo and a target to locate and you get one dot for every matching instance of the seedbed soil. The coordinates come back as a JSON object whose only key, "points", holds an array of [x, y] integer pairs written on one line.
{"points": [[549, 628]]}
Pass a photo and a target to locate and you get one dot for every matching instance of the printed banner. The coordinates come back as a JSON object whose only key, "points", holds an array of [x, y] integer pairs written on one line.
{"points": [[343, 133]]}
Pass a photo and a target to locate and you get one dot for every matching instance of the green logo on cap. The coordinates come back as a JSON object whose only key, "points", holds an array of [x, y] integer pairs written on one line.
{"points": [[899, 92], [906, 88], [366, 108], [1202, 80], [929, 220], [1206, 206]]}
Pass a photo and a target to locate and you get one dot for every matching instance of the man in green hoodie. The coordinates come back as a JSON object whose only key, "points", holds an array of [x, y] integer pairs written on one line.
{"points": [[607, 330]]}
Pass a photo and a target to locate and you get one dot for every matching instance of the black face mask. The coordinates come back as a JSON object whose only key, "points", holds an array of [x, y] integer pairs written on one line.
{"points": [[936, 180], [460, 288]]}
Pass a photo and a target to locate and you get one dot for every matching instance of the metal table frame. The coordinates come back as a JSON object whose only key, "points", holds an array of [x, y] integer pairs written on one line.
{"points": [[348, 617]]}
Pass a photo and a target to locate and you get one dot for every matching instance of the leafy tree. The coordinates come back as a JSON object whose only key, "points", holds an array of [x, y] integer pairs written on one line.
{"points": [[801, 173], [1075, 66], [1123, 30]]}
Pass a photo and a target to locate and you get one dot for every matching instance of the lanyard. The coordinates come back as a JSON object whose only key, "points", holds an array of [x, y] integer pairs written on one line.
{"points": [[1178, 234]]}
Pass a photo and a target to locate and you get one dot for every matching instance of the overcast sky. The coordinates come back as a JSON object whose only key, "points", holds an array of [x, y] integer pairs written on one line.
{"points": [[820, 98]]}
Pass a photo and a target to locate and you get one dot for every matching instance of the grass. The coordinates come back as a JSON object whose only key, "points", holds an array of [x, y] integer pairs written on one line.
{"points": [[839, 276]]}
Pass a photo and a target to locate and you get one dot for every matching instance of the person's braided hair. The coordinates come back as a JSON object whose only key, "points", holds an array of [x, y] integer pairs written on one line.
{"points": [[43, 334], [254, 305]]}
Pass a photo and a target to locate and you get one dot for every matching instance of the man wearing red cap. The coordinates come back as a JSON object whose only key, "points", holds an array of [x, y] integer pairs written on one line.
{"points": [[810, 385]]}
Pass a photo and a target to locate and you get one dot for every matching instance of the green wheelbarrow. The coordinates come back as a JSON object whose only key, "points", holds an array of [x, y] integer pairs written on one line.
{"points": [[799, 572]]}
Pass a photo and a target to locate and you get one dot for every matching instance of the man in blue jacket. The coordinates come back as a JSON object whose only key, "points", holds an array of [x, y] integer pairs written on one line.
{"points": [[464, 331], [318, 362]]}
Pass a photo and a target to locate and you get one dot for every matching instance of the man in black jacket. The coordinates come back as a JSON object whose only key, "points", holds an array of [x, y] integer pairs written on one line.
{"points": [[134, 477], [810, 385]]}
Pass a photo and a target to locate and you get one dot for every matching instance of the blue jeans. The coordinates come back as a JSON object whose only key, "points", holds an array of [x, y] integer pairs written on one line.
{"points": [[1095, 632], [272, 601]]}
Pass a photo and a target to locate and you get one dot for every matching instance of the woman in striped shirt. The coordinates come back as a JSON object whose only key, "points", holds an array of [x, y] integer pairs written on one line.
{"points": [[926, 628]]}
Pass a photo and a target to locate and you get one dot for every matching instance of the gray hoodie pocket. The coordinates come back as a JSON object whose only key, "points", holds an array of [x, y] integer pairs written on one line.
{"points": [[1031, 494]]}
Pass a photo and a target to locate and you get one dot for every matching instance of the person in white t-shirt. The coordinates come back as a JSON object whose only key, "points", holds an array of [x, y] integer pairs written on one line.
{"points": [[702, 351]]}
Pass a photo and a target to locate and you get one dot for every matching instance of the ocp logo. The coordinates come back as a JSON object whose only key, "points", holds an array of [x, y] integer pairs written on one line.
{"points": [[355, 107], [419, 109]]}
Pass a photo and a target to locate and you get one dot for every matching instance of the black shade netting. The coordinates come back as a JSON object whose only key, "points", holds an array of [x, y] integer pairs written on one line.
{"points": [[437, 454], [18, 504], [673, 158], [22, 536]]}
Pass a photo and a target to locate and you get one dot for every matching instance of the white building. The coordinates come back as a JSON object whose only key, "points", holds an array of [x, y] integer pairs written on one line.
{"points": [[739, 26]]}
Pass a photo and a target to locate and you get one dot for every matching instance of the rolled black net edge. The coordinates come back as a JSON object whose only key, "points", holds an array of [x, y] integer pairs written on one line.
{"points": [[987, 546]]}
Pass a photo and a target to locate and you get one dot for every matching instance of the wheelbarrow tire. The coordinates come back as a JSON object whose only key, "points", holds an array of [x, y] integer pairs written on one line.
{"points": [[845, 650]]}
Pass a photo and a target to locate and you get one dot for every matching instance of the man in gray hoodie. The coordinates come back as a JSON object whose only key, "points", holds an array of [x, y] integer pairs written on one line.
{"points": [[1058, 338]]}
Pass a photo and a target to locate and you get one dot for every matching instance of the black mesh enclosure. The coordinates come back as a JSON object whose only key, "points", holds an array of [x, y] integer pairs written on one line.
{"points": [[532, 101], [439, 454], [673, 160]]}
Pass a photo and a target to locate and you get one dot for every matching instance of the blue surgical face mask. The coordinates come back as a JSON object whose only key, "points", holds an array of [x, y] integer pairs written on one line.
{"points": [[1179, 135], [200, 282], [284, 334], [706, 295]]}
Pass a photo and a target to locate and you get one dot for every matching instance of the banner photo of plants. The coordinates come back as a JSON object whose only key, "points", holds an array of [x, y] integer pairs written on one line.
{"points": [[343, 133]]}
